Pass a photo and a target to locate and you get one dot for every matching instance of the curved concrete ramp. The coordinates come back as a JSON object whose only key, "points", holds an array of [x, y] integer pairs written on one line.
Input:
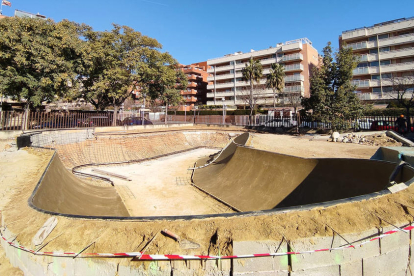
{"points": [[253, 180], [61, 192]]}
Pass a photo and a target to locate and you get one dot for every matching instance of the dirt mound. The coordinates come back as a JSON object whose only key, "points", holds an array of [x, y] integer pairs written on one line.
{"points": [[381, 140]]}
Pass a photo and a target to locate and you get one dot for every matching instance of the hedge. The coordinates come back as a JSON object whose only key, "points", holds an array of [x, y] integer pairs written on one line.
{"points": [[388, 112]]}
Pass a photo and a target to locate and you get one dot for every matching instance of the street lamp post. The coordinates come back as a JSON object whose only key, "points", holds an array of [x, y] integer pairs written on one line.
{"points": [[143, 110], [222, 99], [185, 113]]}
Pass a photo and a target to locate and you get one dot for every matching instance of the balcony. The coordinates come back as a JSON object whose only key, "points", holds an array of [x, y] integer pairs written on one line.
{"points": [[365, 70], [224, 76], [406, 52], [292, 47], [221, 85], [192, 69], [294, 78], [397, 67], [220, 102], [220, 94], [192, 84], [190, 100], [361, 83], [189, 92], [297, 56], [378, 28], [220, 68], [294, 88], [268, 61], [241, 65], [378, 96], [358, 45], [191, 77], [369, 57], [293, 67], [395, 40]]}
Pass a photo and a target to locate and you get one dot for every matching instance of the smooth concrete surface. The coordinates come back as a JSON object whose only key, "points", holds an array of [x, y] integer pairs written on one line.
{"points": [[395, 154], [62, 192], [253, 180]]}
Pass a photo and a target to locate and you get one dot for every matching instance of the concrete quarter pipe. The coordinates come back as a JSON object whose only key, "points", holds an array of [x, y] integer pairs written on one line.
{"points": [[253, 180], [62, 192]]}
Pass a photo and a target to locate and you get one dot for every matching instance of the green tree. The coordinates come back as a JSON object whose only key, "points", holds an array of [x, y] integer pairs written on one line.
{"points": [[403, 93], [167, 83], [332, 96], [275, 80], [39, 59], [117, 58], [252, 73]]}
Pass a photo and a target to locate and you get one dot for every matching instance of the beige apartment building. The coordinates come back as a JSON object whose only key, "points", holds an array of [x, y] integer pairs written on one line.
{"points": [[226, 85], [386, 52]]}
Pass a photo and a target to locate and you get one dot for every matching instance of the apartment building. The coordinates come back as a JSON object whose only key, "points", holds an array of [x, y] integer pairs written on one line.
{"points": [[226, 85], [197, 85], [386, 52]]}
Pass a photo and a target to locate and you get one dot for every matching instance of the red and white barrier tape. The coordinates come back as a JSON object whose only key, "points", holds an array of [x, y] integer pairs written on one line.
{"points": [[192, 257]]}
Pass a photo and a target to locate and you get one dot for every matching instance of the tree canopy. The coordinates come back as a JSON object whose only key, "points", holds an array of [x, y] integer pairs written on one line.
{"points": [[332, 96], [252, 73], [276, 80], [39, 59]]}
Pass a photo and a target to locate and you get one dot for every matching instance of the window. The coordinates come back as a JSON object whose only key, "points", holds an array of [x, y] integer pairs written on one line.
{"points": [[374, 63], [384, 49], [231, 62], [239, 79], [232, 71], [410, 59], [238, 61], [385, 62], [274, 56], [383, 36], [384, 89], [364, 64], [375, 77], [373, 51], [372, 38], [386, 75], [280, 55]]}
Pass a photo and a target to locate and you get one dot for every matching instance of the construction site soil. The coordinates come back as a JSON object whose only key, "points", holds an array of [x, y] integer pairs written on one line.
{"points": [[21, 171]]}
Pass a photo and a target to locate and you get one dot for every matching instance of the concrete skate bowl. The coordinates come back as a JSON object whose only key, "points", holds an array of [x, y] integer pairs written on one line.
{"points": [[254, 180], [249, 181], [60, 192]]}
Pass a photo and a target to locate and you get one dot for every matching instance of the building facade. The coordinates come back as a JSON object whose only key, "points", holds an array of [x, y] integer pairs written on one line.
{"points": [[386, 52], [226, 85], [197, 85]]}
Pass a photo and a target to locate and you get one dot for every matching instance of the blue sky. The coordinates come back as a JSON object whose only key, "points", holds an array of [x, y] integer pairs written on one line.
{"points": [[197, 30]]}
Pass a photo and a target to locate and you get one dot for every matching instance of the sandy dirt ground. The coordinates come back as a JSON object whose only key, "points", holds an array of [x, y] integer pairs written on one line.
{"points": [[309, 147], [12, 163], [152, 193], [22, 170]]}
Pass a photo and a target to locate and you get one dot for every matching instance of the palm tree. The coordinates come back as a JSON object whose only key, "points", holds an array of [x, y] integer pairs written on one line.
{"points": [[252, 72], [275, 80]]}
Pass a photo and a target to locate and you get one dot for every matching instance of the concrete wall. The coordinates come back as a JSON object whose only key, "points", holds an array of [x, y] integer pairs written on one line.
{"points": [[387, 256]]}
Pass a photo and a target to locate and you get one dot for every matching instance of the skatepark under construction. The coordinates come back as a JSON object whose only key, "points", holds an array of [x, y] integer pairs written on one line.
{"points": [[243, 211]]}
